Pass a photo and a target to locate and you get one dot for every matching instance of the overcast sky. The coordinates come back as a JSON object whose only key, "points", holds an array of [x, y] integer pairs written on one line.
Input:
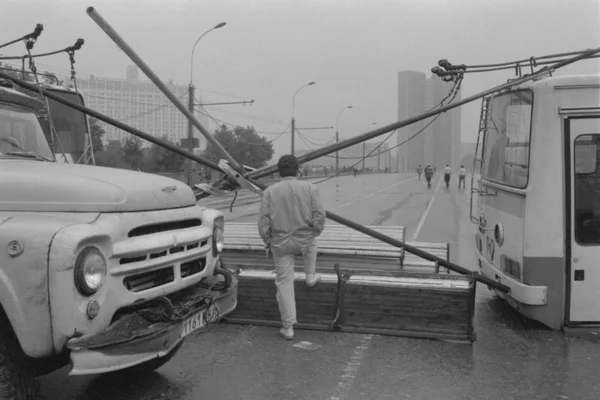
{"points": [[353, 49]]}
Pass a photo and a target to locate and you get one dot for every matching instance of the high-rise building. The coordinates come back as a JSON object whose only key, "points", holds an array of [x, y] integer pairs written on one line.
{"points": [[411, 102], [139, 104], [439, 143]]}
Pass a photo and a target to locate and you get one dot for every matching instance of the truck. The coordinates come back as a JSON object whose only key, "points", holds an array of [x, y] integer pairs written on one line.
{"points": [[102, 268]]}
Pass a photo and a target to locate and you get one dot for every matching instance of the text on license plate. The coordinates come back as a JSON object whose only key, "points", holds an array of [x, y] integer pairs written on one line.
{"points": [[193, 323]]}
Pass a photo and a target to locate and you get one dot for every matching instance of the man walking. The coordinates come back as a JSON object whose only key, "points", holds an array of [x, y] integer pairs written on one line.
{"points": [[428, 175], [291, 218], [419, 171], [462, 173], [447, 172]]}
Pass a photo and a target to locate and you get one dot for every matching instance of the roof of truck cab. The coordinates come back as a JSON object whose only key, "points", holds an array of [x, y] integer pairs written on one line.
{"points": [[12, 96]]}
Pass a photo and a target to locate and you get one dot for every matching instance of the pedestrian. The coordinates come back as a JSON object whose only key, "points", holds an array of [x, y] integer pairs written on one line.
{"points": [[291, 218], [428, 175], [419, 171], [462, 173], [447, 172]]}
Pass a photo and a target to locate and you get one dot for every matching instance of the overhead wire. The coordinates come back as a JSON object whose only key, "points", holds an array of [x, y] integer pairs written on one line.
{"points": [[453, 92], [448, 70], [220, 121]]}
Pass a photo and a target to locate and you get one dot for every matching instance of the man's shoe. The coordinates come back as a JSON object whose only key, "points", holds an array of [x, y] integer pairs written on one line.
{"points": [[287, 333], [312, 280]]}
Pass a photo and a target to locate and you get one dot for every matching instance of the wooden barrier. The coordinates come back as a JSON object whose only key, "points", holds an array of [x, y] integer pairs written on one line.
{"points": [[337, 244], [367, 286], [433, 306]]}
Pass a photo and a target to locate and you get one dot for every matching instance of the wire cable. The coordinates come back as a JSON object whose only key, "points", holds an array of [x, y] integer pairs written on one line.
{"points": [[453, 91]]}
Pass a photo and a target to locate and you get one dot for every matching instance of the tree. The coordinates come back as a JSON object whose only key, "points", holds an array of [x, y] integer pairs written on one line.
{"points": [[97, 132], [132, 152], [164, 160], [244, 145]]}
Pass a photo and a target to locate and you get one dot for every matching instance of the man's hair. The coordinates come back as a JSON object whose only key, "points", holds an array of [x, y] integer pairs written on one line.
{"points": [[462, 166], [288, 165]]}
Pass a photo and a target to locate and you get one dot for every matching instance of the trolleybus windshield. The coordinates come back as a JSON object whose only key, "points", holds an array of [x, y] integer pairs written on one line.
{"points": [[507, 138]]}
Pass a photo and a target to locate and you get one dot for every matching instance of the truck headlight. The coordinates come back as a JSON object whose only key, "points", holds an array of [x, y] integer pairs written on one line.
{"points": [[218, 237], [90, 270]]}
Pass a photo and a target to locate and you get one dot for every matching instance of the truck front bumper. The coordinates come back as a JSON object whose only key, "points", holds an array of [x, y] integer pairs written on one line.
{"points": [[148, 333]]}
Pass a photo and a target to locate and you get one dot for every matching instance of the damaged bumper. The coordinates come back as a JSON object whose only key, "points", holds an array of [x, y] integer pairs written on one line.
{"points": [[153, 330]]}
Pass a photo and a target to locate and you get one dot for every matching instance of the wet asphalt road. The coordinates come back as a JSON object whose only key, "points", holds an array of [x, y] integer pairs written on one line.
{"points": [[511, 359]]}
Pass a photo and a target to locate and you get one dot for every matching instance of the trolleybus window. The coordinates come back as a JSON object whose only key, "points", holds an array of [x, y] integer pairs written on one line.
{"points": [[507, 138], [587, 189]]}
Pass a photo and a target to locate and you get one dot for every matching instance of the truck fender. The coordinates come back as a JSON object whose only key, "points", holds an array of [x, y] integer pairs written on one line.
{"points": [[24, 280]]}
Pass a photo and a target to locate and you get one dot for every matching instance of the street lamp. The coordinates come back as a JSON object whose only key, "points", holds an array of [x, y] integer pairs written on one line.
{"points": [[364, 146], [337, 139], [191, 100], [293, 120]]}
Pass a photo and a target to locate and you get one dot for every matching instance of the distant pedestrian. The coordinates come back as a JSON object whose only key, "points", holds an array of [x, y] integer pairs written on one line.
{"points": [[428, 175], [419, 171], [291, 218], [447, 172], [462, 173]]}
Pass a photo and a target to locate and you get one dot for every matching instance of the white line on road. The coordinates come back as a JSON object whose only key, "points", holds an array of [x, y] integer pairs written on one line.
{"points": [[424, 217], [351, 369], [374, 193]]}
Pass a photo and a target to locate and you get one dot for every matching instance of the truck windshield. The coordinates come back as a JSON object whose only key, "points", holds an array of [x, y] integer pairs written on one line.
{"points": [[21, 134], [69, 123]]}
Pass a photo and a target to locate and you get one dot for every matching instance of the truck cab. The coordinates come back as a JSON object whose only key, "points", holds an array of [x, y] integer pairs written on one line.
{"points": [[106, 268]]}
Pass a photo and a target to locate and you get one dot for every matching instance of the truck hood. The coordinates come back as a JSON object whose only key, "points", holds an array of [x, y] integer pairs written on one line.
{"points": [[27, 185]]}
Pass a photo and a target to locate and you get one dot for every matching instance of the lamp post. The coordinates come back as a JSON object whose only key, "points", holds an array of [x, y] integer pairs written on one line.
{"points": [[293, 120], [337, 139], [191, 90], [364, 146]]}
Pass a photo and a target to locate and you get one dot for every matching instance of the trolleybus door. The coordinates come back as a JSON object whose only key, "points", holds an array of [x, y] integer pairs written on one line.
{"points": [[583, 172]]}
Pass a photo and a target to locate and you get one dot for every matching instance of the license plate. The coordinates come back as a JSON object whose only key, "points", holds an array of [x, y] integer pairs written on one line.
{"points": [[193, 323]]}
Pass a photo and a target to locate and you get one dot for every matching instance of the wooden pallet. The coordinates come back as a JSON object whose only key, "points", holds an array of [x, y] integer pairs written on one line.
{"points": [[337, 244], [432, 306]]}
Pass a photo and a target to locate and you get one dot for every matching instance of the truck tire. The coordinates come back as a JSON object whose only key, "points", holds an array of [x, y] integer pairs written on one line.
{"points": [[17, 375], [154, 364]]}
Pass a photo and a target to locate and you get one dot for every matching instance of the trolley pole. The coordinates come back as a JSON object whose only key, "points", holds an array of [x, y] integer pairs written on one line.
{"points": [[337, 154], [190, 135], [293, 134], [363, 168]]}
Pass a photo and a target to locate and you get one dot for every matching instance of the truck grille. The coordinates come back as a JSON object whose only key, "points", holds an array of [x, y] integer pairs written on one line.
{"points": [[193, 267], [173, 250], [164, 226], [162, 276], [149, 280]]}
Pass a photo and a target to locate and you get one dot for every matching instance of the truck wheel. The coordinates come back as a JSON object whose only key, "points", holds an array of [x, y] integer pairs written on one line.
{"points": [[17, 375], [153, 364]]}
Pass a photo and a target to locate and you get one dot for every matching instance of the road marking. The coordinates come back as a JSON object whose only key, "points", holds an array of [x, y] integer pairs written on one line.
{"points": [[424, 217], [374, 193], [351, 369]]}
